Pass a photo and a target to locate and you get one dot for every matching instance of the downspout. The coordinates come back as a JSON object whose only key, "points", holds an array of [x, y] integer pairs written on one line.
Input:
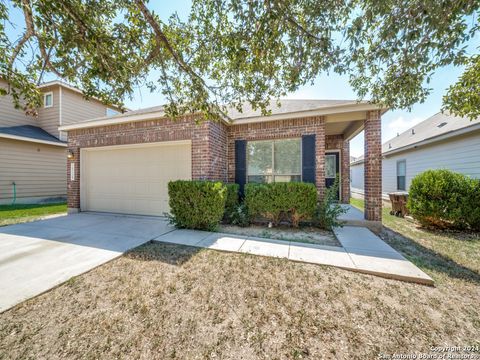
{"points": [[14, 193]]}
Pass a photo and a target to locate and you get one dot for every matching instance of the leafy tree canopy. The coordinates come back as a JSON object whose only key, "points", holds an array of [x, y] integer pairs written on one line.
{"points": [[230, 51]]}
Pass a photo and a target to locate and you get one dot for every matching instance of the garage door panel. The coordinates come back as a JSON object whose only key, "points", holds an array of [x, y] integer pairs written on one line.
{"points": [[133, 180]]}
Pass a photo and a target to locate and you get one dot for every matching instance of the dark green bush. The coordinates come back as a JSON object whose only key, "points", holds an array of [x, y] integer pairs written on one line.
{"points": [[239, 216], [471, 207], [445, 199], [328, 210], [276, 202], [196, 204], [232, 200]]}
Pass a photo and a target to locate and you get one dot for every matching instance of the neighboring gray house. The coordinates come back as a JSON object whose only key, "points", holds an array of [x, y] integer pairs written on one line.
{"points": [[442, 141], [33, 152]]}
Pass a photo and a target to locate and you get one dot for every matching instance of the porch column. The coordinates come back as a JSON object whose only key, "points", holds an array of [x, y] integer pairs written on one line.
{"points": [[345, 166], [73, 180], [373, 166], [320, 156]]}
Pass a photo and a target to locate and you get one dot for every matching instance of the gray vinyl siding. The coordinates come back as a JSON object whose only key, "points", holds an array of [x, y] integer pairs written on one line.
{"points": [[48, 118], [460, 154], [9, 116], [356, 177], [38, 170], [75, 108]]}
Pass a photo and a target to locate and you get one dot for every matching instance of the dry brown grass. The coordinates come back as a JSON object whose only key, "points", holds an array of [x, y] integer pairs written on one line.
{"points": [[309, 235], [172, 302]]}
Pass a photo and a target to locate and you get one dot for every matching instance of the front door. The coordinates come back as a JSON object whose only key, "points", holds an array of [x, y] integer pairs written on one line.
{"points": [[332, 169]]}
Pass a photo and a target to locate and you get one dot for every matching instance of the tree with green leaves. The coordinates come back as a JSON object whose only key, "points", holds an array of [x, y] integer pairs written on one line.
{"points": [[232, 51]]}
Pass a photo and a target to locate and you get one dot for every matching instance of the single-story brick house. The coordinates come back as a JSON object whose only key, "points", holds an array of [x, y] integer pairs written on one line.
{"points": [[123, 163]]}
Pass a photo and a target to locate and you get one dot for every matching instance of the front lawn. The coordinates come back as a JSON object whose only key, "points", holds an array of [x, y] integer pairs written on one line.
{"points": [[163, 301], [14, 214]]}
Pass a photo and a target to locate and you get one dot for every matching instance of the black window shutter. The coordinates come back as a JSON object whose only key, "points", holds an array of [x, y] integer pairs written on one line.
{"points": [[241, 164], [308, 158]]}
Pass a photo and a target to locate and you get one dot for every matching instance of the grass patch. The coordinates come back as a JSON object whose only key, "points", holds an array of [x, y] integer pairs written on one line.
{"points": [[14, 214], [443, 254]]}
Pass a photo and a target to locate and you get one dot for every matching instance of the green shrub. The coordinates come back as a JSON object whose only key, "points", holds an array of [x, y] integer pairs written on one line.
{"points": [[301, 202], [328, 210], [239, 216], [445, 199], [292, 202], [471, 206], [232, 201], [196, 204]]}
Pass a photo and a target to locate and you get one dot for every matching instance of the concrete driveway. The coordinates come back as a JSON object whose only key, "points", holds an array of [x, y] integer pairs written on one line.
{"points": [[36, 256]]}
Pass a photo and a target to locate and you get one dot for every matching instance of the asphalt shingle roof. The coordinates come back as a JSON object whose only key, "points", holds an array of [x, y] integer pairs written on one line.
{"points": [[29, 131], [286, 106], [438, 124]]}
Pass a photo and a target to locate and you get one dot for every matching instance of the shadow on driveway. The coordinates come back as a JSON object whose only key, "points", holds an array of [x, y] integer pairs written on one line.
{"points": [[36, 256]]}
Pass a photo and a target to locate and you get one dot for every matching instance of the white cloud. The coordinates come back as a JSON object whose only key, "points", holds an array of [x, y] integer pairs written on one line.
{"points": [[399, 125]]}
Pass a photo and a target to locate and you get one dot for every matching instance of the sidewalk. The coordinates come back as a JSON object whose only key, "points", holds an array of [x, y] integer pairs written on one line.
{"points": [[361, 251]]}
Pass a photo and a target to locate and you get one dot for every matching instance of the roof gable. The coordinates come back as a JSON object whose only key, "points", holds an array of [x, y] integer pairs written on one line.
{"points": [[436, 125]]}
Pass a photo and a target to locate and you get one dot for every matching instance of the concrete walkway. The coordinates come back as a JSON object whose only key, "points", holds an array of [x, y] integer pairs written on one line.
{"points": [[361, 251], [37, 256]]}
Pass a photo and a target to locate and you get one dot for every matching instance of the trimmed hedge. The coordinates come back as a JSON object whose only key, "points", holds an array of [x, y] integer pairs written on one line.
{"points": [[292, 202], [445, 199], [232, 200], [196, 204]]}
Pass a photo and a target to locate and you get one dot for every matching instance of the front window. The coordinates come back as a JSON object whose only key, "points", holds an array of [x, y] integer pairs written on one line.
{"points": [[401, 174], [274, 161], [111, 112], [48, 100]]}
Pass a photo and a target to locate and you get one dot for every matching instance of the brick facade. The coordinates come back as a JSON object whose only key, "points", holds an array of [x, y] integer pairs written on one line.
{"points": [[281, 129], [209, 141], [373, 166], [213, 145]]}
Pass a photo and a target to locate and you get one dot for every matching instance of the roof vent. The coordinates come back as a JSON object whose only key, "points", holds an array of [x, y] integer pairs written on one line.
{"points": [[389, 145], [441, 125], [398, 134], [413, 131]]}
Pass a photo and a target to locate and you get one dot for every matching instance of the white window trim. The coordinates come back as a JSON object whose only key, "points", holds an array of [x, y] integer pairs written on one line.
{"points": [[405, 176], [273, 175], [45, 97]]}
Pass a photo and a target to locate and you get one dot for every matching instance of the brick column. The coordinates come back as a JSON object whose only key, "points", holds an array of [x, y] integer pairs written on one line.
{"points": [[73, 186], [373, 166], [345, 172], [320, 156]]}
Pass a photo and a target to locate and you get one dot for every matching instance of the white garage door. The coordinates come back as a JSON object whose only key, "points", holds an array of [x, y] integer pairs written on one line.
{"points": [[132, 179]]}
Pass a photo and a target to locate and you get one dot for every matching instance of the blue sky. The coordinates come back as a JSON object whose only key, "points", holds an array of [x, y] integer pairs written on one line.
{"points": [[325, 87]]}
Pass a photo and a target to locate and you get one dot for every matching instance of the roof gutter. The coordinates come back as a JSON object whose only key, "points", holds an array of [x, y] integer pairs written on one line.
{"points": [[357, 162], [334, 109], [113, 120], [24, 138], [434, 139]]}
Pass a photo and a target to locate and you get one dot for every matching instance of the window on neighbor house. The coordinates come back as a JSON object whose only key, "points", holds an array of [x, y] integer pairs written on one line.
{"points": [[274, 161], [401, 174], [111, 112], [48, 100]]}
